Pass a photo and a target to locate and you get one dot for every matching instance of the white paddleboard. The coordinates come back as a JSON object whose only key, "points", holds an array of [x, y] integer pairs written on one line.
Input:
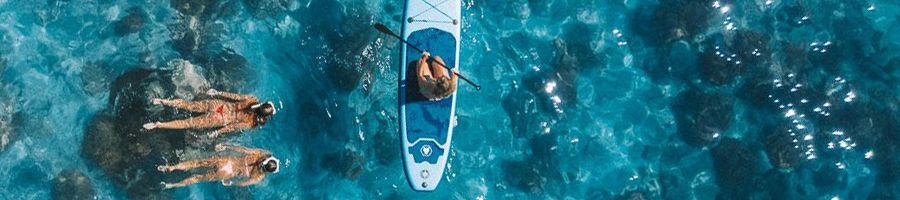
{"points": [[426, 127]]}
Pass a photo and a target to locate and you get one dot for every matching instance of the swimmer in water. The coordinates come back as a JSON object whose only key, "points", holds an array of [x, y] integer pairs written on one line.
{"points": [[235, 112], [252, 167]]}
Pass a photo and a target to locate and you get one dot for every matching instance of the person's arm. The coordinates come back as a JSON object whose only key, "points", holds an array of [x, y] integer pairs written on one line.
{"points": [[232, 96], [252, 180], [231, 128], [422, 66]]}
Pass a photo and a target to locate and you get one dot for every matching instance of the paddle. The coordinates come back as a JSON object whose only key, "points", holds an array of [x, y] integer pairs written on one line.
{"points": [[386, 30]]}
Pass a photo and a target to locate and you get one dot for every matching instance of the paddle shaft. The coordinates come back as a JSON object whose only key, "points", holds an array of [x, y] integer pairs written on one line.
{"points": [[384, 29]]}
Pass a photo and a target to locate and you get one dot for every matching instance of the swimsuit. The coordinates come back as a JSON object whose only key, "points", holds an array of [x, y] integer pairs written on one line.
{"points": [[227, 168]]}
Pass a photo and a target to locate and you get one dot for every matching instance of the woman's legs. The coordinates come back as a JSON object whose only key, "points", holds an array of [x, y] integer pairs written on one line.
{"points": [[424, 71], [205, 121], [209, 176], [195, 106], [438, 70], [186, 165]]}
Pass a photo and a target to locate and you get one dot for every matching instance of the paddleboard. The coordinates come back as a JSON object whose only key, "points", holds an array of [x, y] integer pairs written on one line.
{"points": [[426, 127]]}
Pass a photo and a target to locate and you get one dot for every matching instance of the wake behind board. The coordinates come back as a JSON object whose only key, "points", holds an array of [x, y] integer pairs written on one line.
{"points": [[426, 127]]}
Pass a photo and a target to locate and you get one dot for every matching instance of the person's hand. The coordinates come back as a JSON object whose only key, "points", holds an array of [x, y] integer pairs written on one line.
{"points": [[221, 147], [455, 70], [426, 54], [212, 92]]}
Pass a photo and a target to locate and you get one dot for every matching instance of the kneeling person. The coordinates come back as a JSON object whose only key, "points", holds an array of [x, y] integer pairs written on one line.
{"points": [[435, 83]]}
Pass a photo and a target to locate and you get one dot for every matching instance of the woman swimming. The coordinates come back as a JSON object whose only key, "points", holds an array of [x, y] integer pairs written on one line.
{"points": [[239, 112], [253, 167]]}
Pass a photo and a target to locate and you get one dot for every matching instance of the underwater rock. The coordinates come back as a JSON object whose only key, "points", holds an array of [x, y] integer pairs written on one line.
{"points": [[682, 62], [827, 55], [737, 168], [794, 15], [575, 50], [115, 141], [524, 175], [192, 7], [515, 9], [95, 78], [198, 37], [73, 184], [830, 178], [717, 70], [781, 185], [386, 147], [795, 57], [352, 49], [556, 89], [755, 92], [780, 148], [131, 23], [266, 8], [885, 192], [702, 117], [229, 71], [674, 20], [521, 109], [535, 173], [101, 143], [633, 195], [751, 46], [187, 79], [347, 163], [185, 38]]}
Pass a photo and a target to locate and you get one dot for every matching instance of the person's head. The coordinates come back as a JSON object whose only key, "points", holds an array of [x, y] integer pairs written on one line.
{"points": [[269, 165], [264, 111], [442, 86]]}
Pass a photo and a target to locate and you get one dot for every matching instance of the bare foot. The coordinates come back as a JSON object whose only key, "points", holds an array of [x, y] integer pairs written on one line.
{"points": [[166, 185], [151, 126], [221, 147], [156, 101], [213, 134]]}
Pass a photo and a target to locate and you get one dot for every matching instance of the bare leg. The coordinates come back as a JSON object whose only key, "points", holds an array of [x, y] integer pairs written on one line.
{"points": [[211, 176], [187, 165], [438, 70], [195, 106], [205, 121], [423, 70]]}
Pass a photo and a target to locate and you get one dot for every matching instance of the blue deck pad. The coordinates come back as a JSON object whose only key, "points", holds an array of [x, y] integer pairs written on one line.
{"points": [[432, 156], [428, 119]]}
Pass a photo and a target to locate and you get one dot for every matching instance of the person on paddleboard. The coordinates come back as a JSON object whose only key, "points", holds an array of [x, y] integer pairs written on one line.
{"points": [[435, 82], [232, 112], [252, 167]]}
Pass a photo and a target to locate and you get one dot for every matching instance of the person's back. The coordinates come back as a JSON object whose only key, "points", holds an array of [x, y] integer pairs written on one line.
{"points": [[435, 82]]}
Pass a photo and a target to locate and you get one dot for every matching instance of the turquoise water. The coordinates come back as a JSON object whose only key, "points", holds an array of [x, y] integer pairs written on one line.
{"points": [[581, 99]]}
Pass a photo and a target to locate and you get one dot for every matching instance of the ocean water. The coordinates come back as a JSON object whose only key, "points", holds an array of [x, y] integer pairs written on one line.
{"points": [[581, 99]]}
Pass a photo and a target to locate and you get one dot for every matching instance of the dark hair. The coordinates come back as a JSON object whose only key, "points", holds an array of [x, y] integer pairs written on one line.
{"points": [[263, 112], [270, 166]]}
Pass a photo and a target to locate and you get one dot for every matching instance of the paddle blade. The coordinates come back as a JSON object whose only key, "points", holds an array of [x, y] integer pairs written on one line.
{"points": [[383, 29]]}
